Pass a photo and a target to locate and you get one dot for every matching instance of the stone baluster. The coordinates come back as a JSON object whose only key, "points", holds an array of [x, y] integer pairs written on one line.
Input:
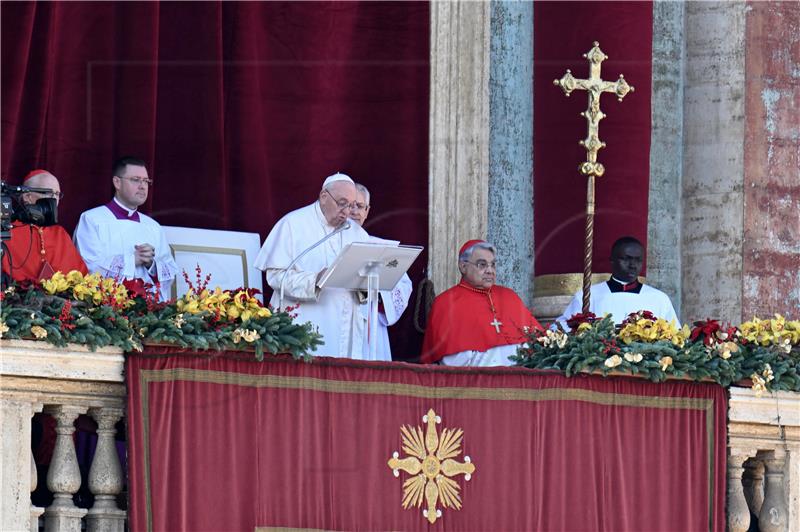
{"points": [[64, 476], [35, 510], [738, 512], [753, 482], [773, 516], [105, 475]]}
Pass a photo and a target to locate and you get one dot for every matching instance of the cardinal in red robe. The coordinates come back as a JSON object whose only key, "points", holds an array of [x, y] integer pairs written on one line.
{"points": [[476, 322], [34, 252]]}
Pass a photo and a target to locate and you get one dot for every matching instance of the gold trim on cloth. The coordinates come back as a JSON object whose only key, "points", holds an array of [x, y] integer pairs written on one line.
{"points": [[238, 252], [411, 390], [565, 284], [431, 465]]}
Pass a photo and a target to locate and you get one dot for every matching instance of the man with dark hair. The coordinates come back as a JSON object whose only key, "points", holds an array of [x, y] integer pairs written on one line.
{"points": [[36, 252], [623, 294], [116, 240], [476, 322]]}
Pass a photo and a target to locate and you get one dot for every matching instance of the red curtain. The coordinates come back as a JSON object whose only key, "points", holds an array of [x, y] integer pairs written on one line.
{"points": [[217, 443], [563, 31], [241, 108]]}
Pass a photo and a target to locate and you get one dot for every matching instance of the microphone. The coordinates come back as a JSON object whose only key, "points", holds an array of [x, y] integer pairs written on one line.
{"points": [[344, 227]]}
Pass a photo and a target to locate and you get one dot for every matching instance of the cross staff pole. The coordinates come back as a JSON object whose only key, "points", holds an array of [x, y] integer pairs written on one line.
{"points": [[595, 86]]}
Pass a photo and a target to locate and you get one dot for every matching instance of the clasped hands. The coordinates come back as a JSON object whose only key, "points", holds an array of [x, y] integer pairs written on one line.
{"points": [[144, 254]]}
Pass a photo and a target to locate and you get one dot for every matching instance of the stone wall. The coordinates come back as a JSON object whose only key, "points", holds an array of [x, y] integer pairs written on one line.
{"points": [[771, 255]]}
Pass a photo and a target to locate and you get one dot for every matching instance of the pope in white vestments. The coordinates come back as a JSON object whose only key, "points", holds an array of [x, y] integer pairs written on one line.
{"points": [[623, 294], [335, 311], [117, 241]]}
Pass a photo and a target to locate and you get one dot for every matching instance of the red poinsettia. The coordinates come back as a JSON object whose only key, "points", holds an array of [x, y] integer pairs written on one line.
{"points": [[711, 331], [136, 287], [633, 317], [581, 317]]}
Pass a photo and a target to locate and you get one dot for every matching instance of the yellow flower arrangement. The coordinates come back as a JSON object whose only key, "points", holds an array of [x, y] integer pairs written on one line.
{"points": [[776, 331], [240, 305], [88, 288], [647, 330]]}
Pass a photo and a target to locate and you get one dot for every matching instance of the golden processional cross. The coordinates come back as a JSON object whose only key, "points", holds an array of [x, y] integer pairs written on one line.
{"points": [[595, 86]]}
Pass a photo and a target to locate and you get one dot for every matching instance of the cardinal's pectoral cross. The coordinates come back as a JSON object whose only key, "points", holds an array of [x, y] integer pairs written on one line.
{"points": [[496, 324]]}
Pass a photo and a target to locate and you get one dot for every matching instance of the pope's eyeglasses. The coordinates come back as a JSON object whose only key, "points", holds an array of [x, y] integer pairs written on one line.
{"points": [[343, 204]]}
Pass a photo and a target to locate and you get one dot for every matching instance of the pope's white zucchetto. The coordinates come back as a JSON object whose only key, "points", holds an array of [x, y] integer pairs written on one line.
{"points": [[338, 176]]}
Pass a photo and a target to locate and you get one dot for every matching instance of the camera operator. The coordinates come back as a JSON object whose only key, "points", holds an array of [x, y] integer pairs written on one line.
{"points": [[37, 250]]}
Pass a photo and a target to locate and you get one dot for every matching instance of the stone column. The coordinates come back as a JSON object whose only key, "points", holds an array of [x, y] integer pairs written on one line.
{"points": [[713, 144], [105, 475], [773, 516], [738, 512], [510, 218], [753, 482], [666, 154], [459, 133], [64, 476], [17, 475]]}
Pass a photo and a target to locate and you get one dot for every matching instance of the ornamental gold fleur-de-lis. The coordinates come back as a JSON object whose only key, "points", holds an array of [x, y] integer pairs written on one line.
{"points": [[431, 465]]}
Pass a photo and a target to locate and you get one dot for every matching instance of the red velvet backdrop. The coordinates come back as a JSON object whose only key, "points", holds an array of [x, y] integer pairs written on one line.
{"points": [[563, 31], [241, 109], [221, 444]]}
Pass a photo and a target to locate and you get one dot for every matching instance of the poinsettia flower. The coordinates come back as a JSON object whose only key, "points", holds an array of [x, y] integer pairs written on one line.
{"points": [[136, 287], [581, 318]]}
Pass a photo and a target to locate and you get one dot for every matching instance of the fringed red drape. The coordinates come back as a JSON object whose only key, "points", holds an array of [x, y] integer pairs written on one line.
{"points": [[241, 108], [224, 444]]}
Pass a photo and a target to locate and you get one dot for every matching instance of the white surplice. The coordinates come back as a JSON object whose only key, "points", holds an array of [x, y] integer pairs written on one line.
{"points": [[394, 302], [334, 311], [619, 304], [107, 247], [494, 356]]}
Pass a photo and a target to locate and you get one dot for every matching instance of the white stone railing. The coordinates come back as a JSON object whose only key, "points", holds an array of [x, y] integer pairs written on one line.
{"points": [[764, 460], [64, 383], [763, 442]]}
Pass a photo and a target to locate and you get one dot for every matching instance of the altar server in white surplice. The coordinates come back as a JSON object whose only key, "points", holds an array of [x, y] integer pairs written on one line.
{"points": [[116, 240], [623, 294], [335, 311], [392, 302]]}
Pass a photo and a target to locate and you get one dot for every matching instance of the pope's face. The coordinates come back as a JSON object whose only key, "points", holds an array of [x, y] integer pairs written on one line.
{"points": [[337, 201], [479, 271], [132, 186], [359, 215]]}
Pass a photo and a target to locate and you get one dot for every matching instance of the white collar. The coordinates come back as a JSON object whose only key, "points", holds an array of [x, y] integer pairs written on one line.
{"points": [[130, 212]]}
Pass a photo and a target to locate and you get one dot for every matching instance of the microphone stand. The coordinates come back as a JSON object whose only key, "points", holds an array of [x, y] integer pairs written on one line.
{"points": [[344, 227]]}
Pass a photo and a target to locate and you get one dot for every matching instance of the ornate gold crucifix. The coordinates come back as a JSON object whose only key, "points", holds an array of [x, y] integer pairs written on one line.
{"points": [[595, 86]]}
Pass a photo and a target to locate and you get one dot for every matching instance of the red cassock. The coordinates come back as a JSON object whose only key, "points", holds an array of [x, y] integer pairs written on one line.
{"points": [[25, 247], [461, 319]]}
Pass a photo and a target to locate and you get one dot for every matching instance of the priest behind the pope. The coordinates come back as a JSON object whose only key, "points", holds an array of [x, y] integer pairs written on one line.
{"points": [[476, 322], [334, 311]]}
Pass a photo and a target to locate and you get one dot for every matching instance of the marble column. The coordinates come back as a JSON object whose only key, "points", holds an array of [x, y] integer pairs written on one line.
{"points": [[64, 476], [713, 136], [458, 133], [105, 475], [738, 512], [16, 474], [510, 218]]}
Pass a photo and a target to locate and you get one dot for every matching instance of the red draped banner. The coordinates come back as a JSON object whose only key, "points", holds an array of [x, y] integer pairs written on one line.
{"points": [[562, 32], [218, 443]]}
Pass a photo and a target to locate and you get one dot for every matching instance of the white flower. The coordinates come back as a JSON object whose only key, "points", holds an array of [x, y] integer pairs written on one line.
{"points": [[613, 361], [633, 357], [665, 362], [39, 332]]}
